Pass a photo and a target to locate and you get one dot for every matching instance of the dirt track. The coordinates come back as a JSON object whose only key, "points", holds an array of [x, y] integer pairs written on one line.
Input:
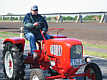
{"points": [[91, 32]]}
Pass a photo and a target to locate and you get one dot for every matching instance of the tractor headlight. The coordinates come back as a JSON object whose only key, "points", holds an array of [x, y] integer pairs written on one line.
{"points": [[52, 63], [87, 59]]}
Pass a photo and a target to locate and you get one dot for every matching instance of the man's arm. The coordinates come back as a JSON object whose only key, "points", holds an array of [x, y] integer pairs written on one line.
{"points": [[27, 22], [45, 26]]}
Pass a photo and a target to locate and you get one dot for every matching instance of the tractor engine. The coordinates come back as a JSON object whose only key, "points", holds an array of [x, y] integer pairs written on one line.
{"points": [[64, 54]]}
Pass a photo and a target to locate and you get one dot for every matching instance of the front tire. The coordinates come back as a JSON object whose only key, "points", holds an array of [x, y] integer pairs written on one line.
{"points": [[13, 64], [37, 74], [94, 72]]}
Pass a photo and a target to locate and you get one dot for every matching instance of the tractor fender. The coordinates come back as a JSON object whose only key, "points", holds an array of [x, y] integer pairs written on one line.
{"points": [[16, 41]]}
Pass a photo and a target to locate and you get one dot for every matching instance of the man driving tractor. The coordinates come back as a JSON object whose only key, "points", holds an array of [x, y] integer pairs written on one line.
{"points": [[60, 57], [33, 24]]}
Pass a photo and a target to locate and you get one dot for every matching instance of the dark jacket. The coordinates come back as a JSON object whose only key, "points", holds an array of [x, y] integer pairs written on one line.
{"points": [[30, 19]]}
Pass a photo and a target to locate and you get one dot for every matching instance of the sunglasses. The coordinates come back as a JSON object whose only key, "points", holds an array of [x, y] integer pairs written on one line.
{"points": [[35, 10]]}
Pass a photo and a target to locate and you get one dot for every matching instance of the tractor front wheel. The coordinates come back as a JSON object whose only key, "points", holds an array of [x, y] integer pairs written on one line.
{"points": [[37, 74], [93, 71]]}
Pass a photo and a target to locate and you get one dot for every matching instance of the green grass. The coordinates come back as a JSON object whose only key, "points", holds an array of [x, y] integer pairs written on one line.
{"points": [[95, 45], [4, 35], [93, 53], [10, 33], [97, 54], [86, 44]]}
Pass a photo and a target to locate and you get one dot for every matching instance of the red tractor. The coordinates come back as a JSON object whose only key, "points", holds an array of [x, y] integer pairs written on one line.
{"points": [[57, 58]]}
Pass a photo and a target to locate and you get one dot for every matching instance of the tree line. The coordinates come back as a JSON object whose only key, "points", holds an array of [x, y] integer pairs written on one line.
{"points": [[87, 17]]}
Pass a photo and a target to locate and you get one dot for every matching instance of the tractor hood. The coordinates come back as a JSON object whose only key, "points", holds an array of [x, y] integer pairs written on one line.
{"points": [[66, 41], [60, 49]]}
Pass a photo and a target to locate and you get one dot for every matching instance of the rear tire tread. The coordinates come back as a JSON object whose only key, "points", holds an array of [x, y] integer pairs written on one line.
{"points": [[18, 63]]}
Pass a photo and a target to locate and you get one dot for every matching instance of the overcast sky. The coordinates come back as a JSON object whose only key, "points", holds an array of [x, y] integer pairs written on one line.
{"points": [[52, 6]]}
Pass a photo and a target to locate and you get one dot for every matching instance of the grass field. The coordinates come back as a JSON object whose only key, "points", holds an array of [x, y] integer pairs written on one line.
{"points": [[97, 54], [94, 53], [102, 46], [4, 35]]}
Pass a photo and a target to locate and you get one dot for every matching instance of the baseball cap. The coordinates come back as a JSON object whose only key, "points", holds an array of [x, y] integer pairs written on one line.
{"points": [[34, 7]]}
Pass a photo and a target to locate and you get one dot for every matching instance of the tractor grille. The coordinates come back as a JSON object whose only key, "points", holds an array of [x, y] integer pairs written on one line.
{"points": [[76, 55]]}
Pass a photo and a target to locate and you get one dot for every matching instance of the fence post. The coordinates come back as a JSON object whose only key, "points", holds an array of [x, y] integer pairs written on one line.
{"points": [[103, 18], [79, 18], [60, 19], [11, 18], [57, 19], [3, 18], [21, 32]]}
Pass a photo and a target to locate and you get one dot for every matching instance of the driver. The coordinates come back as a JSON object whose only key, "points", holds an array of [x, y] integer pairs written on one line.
{"points": [[33, 23]]}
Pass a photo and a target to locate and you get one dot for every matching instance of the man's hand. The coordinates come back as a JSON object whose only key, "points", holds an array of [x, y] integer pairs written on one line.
{"points": [[36, 24], [43, 32]]}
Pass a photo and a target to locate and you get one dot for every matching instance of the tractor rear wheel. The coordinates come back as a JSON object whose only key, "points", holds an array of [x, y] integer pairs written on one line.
{"points": [[13, 64], [93, 71], [37, 74]]}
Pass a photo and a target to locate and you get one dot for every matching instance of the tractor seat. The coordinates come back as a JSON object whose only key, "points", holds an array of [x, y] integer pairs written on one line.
{"points": [[58, 36]]}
